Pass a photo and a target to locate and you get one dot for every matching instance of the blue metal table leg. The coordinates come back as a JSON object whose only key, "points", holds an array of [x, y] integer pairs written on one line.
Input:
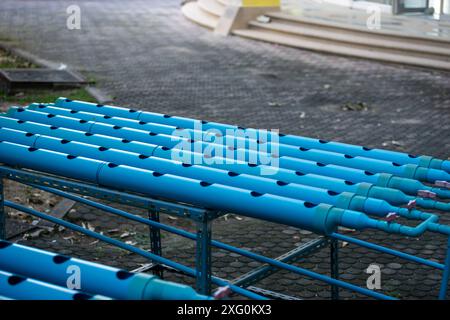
{"points": [[203, 257], [2, 212], [155, 240], [445, 275], [334, 263]]}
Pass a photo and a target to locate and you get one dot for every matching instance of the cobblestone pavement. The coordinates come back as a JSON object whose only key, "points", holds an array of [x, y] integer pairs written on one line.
{"points": [[148, 56]]}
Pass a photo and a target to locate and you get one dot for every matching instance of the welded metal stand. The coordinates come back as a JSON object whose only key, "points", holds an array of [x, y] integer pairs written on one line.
{"points": [[334, 264], [203, 256], [155, 241], [445, 274], [2, 212]]}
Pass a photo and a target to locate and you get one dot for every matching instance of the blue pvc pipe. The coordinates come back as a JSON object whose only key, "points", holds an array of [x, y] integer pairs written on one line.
{"points": [[344, 200], [19, 287], [298, 141], [385, 180], [408, 171], [95, 278]]}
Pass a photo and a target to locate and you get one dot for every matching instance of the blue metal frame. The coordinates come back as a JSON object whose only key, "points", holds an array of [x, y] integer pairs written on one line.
{"points": [[204, 218]]}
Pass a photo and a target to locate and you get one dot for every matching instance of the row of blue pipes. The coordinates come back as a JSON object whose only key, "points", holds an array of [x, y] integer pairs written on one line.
{"points": [[288, 153], [166, 143], [344, 200], [320, 218], [21, 278]]}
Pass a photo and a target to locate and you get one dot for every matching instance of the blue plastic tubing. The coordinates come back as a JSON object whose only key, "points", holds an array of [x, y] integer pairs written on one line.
{"points": [[95, 278], [143, 142], [287, 152], [320, 218], [344, 200], [18, 287], [297, 141]]}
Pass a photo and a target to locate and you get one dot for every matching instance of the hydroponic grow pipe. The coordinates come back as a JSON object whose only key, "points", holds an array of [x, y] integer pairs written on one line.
{"points": [[17, 287], [326, 157], [311, 143]]}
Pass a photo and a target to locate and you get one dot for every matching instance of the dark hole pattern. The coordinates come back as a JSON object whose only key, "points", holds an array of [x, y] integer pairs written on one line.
{"points": [[282, 183], [58, 259], [319, 164], [368, 173], [32, 149], [310, 205], [143, 157], [395, 164], [348, 156], [299, 173], [64, 141], [233, 174], [51, 115], [112, 165], [366, 149], [83, 121], [126, 141], [123, 275], [102, 149], [4, 244], [256, 194], [71, 157], [205, 184], [332, 193], [303, 149], [186, 165], [29, 134], [349, 183], [157, 174], [14, 280], [81, 296]]}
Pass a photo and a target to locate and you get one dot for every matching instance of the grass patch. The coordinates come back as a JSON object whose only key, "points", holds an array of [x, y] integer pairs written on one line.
{"points": [[9, 61], [46, 96]]}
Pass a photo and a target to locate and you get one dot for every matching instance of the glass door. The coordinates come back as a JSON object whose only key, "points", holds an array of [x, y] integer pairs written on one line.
{"points": [[403, 6]]}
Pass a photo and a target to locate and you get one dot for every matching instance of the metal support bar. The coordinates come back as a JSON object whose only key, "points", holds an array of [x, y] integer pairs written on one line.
{"points": [[334, 264], [294, 255], [155, 240], [203, 256], [2, 212], [445, 274]]}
